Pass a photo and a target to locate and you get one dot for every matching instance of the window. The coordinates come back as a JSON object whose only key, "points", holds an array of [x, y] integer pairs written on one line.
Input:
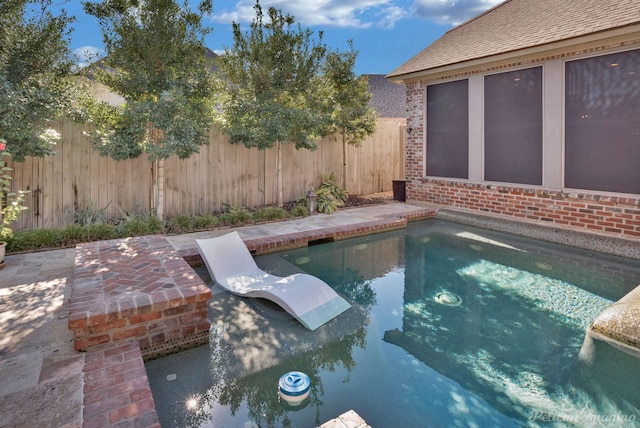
{"points": [[602, 130], [448, 129], [513, 127]]}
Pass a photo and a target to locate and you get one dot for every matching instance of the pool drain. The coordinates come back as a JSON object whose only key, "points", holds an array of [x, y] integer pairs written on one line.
{"points": [[449, 299], [293, 387]]}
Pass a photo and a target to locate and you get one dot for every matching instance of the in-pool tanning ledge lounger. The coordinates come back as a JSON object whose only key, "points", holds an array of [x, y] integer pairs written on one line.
{"points": [[309, 299]]}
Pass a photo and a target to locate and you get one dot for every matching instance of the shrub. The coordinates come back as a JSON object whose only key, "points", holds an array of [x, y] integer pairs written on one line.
{"points": [[330, 195], [10, 202], [155, 224], [299, 210], [74, 233], [140, 224], [96, 232], [134, 227], [268, 214], [180, 224], [59, 237], [23, 240], [234, 215], [205, 221], [91, 214]]}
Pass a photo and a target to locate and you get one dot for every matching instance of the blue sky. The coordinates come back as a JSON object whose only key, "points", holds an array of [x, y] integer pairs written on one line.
{"points": [[386, 33]]}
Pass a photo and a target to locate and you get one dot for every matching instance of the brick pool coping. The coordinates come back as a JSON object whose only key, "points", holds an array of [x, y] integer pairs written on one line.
{"points": [[138, 298], [136, 288], [290, 241]]}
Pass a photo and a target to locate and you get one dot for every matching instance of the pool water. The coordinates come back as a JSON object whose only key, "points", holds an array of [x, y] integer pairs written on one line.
{"points": [[450, 326]]}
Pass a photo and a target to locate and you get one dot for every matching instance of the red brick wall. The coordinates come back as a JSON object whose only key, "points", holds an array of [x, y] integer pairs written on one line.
{"points": [[613, 215], [618, 216], [153, 326]]}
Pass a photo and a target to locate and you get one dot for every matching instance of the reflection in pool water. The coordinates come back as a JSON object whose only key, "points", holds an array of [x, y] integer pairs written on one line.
{"points": [[505, 354]]}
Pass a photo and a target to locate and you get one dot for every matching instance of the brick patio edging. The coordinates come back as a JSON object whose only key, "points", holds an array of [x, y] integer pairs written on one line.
{"points": [[116, 389]]}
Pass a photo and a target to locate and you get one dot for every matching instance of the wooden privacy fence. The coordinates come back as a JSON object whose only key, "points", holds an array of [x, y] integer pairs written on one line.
{"points": [[76, 178]]}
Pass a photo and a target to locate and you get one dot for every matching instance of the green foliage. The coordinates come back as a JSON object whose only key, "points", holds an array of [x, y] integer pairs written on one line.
{"points": [[23, 240], [50, 238], [140, 225], [59, 237], [268, 214], [275, 95], [91, 214], [205, 221], [36, 85], [329, 184], [180, 224], [134, 226], [330, 195], [157, 61], [93, 232], [234, 215], [352, 117], [10, 201], [272, 72], [299, 210]]}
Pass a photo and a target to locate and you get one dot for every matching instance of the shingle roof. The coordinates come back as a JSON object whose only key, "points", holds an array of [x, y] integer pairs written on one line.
{"points": [[389, 99], [518, 24]]}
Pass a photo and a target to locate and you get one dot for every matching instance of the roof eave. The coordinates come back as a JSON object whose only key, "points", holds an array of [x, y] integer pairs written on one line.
{"points": [[626, 32]]}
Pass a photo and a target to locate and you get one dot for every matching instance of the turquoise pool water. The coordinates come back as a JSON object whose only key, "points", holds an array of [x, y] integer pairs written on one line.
{"points": [[450, 326]]}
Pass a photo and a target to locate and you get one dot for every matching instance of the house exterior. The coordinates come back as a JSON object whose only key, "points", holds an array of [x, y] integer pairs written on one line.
{"points": [[531, 110]]}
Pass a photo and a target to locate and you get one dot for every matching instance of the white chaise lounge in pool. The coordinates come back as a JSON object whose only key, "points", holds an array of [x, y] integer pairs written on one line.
{"points": [[309, 299]]}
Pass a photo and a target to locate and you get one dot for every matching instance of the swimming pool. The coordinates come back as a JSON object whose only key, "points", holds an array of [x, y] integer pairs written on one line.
{"points": [[451, 326]]}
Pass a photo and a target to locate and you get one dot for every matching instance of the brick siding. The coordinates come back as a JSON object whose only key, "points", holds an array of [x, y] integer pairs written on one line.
{"points": [[618, 216]]}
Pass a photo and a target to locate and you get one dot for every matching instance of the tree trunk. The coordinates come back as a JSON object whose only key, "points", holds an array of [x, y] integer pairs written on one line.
{"points": [[158, 184], [279, 175], [344, 162], [157, 176]]}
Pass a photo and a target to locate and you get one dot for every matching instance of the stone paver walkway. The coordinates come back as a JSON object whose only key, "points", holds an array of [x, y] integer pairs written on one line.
{"points": [[40, 373]]}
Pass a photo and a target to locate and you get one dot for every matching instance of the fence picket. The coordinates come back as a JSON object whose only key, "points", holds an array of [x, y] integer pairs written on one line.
{"points": [[76, 177]]}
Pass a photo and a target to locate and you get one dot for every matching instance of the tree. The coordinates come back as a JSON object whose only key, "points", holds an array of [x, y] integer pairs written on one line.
{"points": [[352, 118], [275, 90], [36, 82], [157, 61]]}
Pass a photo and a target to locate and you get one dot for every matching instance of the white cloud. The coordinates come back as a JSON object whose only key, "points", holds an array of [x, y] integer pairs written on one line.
{"points": [[359, 14], [390, 16], [451, 12], [338, 13], [85, 55]]}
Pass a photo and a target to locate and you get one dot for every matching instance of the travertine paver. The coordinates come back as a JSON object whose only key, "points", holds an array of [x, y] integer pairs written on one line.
{"points": [[40, 373], [349, 419]]}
